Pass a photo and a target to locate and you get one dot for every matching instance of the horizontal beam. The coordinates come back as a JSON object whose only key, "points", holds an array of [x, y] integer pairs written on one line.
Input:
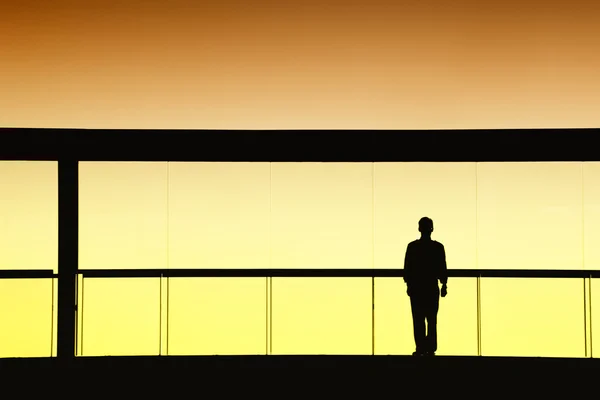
{"points": [[298, 273], [300, 145], [27, 274], [328, 273]]}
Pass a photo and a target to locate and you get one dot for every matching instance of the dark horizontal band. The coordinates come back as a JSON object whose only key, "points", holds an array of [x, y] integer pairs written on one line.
{"points": [[27, 273], [329, 273], [296, 145], [299, 273]]}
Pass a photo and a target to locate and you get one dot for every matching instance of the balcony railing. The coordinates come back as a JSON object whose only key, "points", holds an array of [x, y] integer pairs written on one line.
{"points": [[378, 299]]}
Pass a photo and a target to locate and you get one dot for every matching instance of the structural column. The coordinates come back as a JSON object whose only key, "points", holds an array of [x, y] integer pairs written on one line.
{"points": [[68, 249]]}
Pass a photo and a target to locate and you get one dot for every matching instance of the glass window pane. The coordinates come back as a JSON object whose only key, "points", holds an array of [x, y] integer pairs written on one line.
{"points": [[405, 192], [211, 316], [537, 317], [321, 316], [29, 215], [591, 213], [219, 215], [322, 215], [529, 215], [457, 318], [122, 215], [26, 317], [121, 316]]}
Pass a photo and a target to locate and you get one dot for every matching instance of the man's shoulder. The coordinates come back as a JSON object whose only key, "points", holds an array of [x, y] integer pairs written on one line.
{"points": [[430, 244], [438, 246]]}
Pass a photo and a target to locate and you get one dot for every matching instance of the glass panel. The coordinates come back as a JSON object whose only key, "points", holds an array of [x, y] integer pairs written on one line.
{"points": [[219, 215], [591, 213], [121, 316], [457, 318], [393, 321], [55, 318], [79, 313], [321, 316], [538, 317], [26, 315], [595, 318], [164, 316], [122, 215], [211, 316], [322, 215], [405, 192], [530, 215], [29, 215]]}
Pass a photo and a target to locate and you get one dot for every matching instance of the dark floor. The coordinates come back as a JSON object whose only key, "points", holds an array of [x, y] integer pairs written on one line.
{"points": [[287, 376]]}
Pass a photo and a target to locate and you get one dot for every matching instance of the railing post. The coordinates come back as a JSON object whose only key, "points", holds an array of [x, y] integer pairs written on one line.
{"points": [[585, 328], [373, 315], [160, 321], [478, 288], [591, 321], [266, 315], [270, 315], [68, 221]]}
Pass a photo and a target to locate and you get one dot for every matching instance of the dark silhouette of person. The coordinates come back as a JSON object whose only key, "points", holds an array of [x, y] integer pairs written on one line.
{"points": [[424, 265]]}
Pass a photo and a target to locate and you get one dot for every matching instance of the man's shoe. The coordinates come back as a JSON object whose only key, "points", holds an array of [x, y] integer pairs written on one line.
{"points": [[418, 353], [430, 353]]}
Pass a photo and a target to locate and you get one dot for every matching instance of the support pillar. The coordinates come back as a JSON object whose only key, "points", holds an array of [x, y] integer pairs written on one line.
{"points": [[68, 257]]}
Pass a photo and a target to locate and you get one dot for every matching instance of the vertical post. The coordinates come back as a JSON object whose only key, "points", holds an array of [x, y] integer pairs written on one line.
{"points": [[160, 321], [167, 319], [270, 315], [68, 247], [373, 258], [52, 319], [266, 315], [79, 312], [585, 346], [478, 288], [373, 315], [591, 321]]}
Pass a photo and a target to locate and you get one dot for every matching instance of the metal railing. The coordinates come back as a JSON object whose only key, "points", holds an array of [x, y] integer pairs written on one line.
{"points": [[585, 275]]}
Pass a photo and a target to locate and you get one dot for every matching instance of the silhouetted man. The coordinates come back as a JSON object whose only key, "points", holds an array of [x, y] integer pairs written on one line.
{"points": [[424, 265]]}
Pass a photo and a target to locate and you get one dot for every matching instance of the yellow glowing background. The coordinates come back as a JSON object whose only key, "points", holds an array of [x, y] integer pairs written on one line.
{"points": [[310, 64], [302, 215], [291, 64]]}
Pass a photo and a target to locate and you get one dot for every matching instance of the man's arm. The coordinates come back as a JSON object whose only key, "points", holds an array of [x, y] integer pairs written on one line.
{"points": [[408, 265], [443, 276], [443, 267]]}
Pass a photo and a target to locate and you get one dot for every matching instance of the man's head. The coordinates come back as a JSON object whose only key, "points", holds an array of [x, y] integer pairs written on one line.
{"points": [[425, 226]]}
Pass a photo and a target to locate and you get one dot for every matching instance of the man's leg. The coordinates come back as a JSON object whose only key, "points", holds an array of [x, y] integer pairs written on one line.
{"points": [[418, 314], [433, 304]]}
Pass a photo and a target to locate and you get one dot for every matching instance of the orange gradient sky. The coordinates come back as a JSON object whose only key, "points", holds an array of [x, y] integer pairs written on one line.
{"points": [[300, 64]]}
